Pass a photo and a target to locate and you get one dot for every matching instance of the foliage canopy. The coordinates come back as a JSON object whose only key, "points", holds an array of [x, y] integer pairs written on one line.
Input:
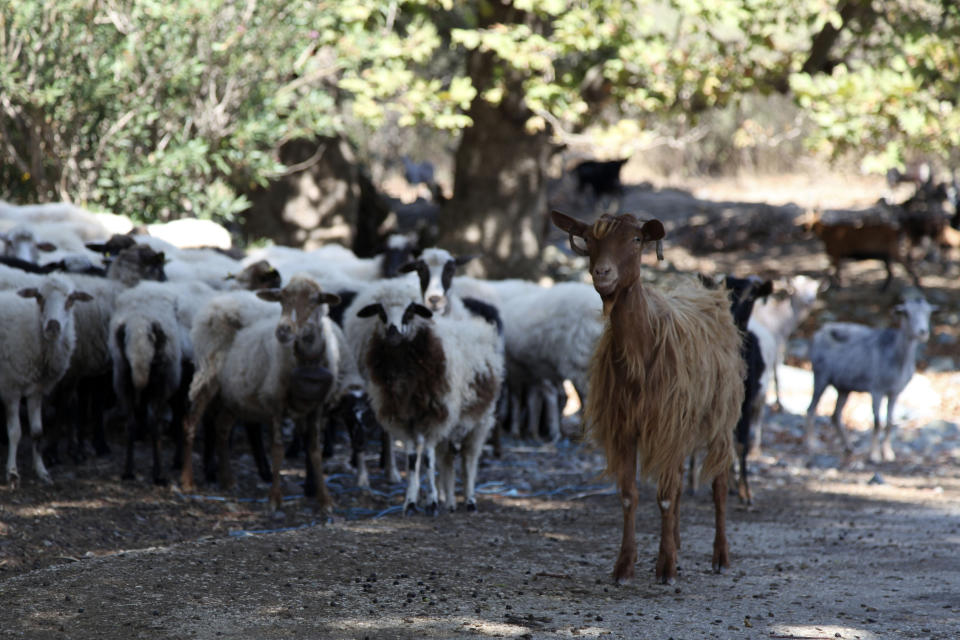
{"points": [[159, 108]]}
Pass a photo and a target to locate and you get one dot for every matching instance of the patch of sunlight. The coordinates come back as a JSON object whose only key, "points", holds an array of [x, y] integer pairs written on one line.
{"points": [[428, 625], [33, 512], [573, 400], [79, 504], [810, 632]]}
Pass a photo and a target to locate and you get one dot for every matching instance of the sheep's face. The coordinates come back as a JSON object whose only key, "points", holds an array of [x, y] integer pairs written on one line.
{"points": [[137, 263], [436, 268], [613, 244], [916, 317], [56, 299], [259, 275], [399, 321], [20, 243], [302, 304]]}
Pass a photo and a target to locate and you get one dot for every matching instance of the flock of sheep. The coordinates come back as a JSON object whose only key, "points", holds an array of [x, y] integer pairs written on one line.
{"points": [[197, 341]]}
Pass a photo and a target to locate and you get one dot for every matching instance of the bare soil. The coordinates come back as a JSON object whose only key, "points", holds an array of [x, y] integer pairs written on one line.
{"points": [[827, 550]]}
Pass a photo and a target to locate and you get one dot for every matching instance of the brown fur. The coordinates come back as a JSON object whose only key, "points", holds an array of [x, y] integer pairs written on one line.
{"points": [[485, 389], [414, 372], [666, 378]]}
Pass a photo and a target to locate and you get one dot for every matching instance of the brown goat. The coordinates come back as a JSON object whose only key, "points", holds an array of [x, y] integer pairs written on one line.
{"points": [[863, 240], [666, 379]]}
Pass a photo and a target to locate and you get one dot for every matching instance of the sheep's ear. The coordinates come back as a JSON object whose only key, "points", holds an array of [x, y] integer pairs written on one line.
{"points": [[79, 296], [270, 295], [410, 266], [30, 292], [462, 260], [46, 247], [566, 223], [331, 299], [99, 247], [375, 309], [421, 310]]}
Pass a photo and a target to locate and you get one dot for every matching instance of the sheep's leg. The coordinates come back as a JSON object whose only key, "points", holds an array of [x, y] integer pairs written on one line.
{"points": [[819, 386], [222, 426], [12, 403], [721, 552], [516, 413], [432, 503], [153, 428], [676, 511], [255, 440], [886, 446], [875, 455], [777, 404], [315, 453], [534, 407], [276, 451], [34, 411], [624, 569], [666, 571], [837, 421], [552, 408], [445, 475], [413, 480], [470, 457], [386, 452], [756, 425], [198, 407], [129, 416]]}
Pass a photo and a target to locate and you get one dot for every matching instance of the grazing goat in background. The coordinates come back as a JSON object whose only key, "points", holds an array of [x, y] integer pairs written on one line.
{"points": [[666, 379], [601, 177], [854, 357]]}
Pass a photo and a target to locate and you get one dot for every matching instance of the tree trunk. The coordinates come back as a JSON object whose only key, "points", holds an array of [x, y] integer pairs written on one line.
{"points": [[499, 199]]}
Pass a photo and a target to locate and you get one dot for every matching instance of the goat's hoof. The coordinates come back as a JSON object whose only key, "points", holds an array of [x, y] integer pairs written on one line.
{"points": [[410, 509], [45, 479], [432, 509], [471, 507], [668, 580], [718, 568]]}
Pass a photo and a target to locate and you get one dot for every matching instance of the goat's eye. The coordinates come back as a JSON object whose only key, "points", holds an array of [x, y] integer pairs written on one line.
{"points": [[638, 239]]}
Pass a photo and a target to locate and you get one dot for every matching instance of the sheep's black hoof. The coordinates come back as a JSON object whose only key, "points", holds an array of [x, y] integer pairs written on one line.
{"points": [[432, 509], [161, 481], [471, 507], [410, 509], [128, 475]]}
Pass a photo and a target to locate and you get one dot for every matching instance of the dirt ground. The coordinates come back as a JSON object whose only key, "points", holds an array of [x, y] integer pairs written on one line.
{"points": [[827, 551]]}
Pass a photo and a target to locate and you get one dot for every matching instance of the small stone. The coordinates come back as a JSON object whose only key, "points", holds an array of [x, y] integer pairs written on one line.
{"points": [[877, 479]]}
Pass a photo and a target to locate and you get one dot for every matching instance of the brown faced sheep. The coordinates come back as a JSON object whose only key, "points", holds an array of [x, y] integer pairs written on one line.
{"points": [[665, 380]]}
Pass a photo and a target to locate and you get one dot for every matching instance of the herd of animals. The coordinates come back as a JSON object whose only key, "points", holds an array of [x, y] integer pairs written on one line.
{"points": [[127, 330]]}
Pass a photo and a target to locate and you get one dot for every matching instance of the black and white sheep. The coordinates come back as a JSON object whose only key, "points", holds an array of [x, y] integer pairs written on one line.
{"points": [[854, 357], [432, 381], [37, 339]]}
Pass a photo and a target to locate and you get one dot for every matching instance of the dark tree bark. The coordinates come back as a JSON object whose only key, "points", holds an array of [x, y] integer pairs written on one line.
{"points": [[500, 197]]}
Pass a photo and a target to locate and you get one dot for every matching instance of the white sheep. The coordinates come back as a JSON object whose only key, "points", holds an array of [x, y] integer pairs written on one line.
{"points": [[37, 338], [276, 367], [432, 381]]}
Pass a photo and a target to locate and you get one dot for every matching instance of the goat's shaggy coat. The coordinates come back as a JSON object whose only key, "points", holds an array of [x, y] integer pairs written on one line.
{"points": [[666, 379]]}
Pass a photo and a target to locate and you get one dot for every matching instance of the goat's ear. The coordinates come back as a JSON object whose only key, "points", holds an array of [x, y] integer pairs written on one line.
{"points": [[571, 225], [765, 289], [652, 230], [46, 247], [270, 295], [331, 299], [30, 292], [421, 310]]}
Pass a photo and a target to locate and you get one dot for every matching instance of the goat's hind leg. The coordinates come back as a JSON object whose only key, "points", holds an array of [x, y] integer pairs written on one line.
{"points": [[886, 445], [721, 551], [668, 487], [875, 455], [809, 438]]}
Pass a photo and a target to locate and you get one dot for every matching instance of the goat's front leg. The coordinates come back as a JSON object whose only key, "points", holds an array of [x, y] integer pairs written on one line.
{"points": [[837, 421], [624, 569], [666, 571], [886, 446], [721, 551], [809, 438], [875, 455], [34, 410]]}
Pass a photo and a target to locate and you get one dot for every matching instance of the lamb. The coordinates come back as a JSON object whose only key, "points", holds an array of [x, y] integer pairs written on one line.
{"points": [[36, 342], [854, 357], [267, 370], [432, 380], [665, 380]]}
